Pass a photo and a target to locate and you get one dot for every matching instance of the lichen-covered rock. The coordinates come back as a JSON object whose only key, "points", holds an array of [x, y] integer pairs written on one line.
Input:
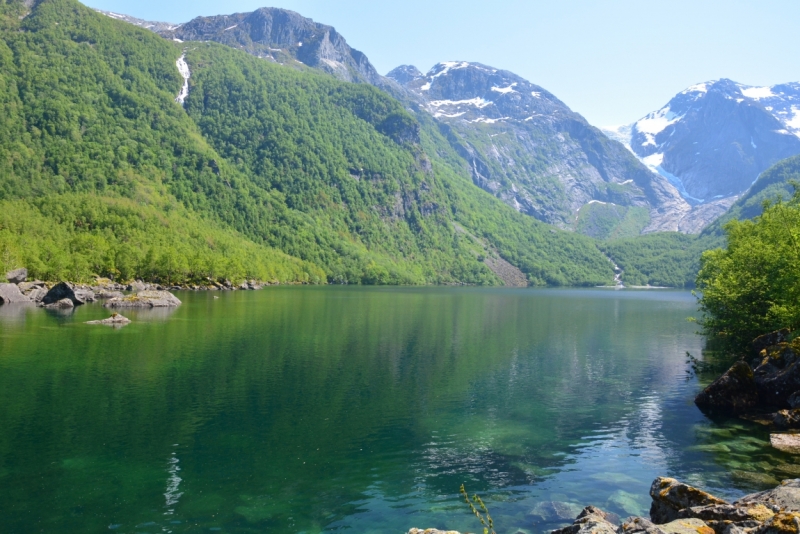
{"points": [[787, 419], [728, 512], [733, 391], [17, 276], [785, 497], [768, 340], [115, 320], [777, 377], [65, 290], [639, 525], [591, 520], [781, 523], [690, 525], [10, 294], [670, 497], [145, 299]]}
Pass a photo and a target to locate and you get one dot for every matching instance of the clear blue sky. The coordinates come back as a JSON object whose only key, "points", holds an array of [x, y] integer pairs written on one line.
{"points": [[612, 61]]}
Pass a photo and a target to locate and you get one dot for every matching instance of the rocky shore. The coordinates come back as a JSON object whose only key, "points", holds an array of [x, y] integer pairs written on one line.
{"points": [[136, 294], [678, 508]]}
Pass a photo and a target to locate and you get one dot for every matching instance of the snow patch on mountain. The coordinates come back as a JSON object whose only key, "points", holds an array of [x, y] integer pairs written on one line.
{"points": [[757, 93], [655, 123], [505, 90]]}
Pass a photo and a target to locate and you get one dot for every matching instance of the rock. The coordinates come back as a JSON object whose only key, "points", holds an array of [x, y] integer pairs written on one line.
{"points": [[115, 320], [794, 400], [63, 304], [590, 521], [781, 523], [786, 419], [786, 442], [137, 286], [639, 525], [728, 513], [37, 294], [777, 378], [65, 290], [145, 299], [105, 295], [733, 391], [27, 287], [785, 497], [670, 497], [17, 276], [431, 531], [768, 340], [690, 525], [10, 294]]}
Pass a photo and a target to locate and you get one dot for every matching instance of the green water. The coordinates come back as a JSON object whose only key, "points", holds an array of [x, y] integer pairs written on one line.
{"points": [[358, 410]]}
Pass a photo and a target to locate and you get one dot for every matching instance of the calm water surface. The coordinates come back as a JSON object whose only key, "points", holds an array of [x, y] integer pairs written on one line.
{"points": [[358, 410]]}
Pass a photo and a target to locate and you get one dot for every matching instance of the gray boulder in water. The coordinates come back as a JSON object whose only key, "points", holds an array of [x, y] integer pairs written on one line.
{"points": [[10, 294], [115, 320], [17, 276], [63, 304], [65, 290], [145, 299]]}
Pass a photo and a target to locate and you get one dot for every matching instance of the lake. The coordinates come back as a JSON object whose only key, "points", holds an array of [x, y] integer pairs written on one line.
{"points": [[321, 409]]}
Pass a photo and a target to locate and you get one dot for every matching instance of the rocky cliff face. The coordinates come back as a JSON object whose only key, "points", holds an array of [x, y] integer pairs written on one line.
{"points": [[714, 139], [528, 148]]}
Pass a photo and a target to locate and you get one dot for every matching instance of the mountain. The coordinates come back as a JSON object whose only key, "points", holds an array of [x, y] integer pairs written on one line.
{"points": [[256, 171], [528, 148], [714, 139]]}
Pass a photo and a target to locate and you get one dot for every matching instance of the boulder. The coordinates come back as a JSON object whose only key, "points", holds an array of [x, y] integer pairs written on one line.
{"points": [[65, 290], [639, 525], [137, 285], [734, 391], [37, 294], [590, 521], [63, 304], [785, 497], [744, 513], [115, 320], [17, 276], [794, 400], [670, 497], [768, 340], [777, 377], [106, 294], [145, 299], [10, 294], [781, 523], [27, 287], [690, 525], [550, 511], [787, 419]]}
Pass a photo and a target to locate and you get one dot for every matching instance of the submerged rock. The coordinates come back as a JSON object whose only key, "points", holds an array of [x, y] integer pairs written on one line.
{"points": [[591, 520], [115, 320], [145, 299], [10, 294], [431, 531], [734, 391], [556, 510], [670, 497], [65, 290], [63, 304], [17, 276]]}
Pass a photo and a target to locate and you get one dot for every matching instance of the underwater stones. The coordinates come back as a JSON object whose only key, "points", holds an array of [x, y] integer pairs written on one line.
{"points": [[733, 391], [628, 502], [670, 497], [591, 520], [430, 531], [17, 276], [754, 478], [145, 299], [115, 320], [550, 511]]}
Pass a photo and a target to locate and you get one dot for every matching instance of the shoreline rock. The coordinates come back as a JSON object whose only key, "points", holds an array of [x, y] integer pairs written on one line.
{"points": [[65, 290], [10, 294], [145, 299], [17, 276]]}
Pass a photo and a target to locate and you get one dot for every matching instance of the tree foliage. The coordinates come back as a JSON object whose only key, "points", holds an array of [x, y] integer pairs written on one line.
{"points": [[753, 287]]}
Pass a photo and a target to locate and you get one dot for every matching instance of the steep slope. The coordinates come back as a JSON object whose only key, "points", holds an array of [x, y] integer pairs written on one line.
{"points": [[714, 139], [528, 148], [287, 162]]}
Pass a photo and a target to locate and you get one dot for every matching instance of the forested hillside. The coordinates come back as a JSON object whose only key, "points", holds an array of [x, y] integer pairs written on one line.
{"points": [[267, 173]]}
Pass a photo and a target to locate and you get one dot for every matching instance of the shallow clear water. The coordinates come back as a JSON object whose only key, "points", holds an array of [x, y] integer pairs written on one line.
{"points": [[359, 409]]}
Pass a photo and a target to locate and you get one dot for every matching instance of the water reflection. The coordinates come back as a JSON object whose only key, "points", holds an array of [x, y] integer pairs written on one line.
{"points": [[317, 409]]}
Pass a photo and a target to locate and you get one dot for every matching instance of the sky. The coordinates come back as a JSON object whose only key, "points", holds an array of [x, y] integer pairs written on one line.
{"points": [[613, 61]]}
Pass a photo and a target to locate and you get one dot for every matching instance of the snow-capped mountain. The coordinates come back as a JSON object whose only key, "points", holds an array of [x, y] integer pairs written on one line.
{"points": [[714, 139], [528, 148], [146, 24]]}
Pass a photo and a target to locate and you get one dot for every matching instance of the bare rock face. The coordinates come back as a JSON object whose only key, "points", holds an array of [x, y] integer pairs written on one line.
{"points": [[734, 391], [65, 290], [17, 276], [670, 497], [591, 520], [115, 320], [145, 299], [10, 294]]}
